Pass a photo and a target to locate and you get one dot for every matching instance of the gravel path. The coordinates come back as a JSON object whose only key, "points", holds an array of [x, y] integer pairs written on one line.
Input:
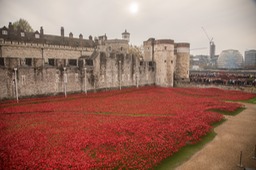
{"points": [[237, 134]]}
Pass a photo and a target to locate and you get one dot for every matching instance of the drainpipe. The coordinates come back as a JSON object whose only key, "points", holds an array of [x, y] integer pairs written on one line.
{"points": [[65, 82], [43, 55], [16, 85], [85, 83], [120, 81]]}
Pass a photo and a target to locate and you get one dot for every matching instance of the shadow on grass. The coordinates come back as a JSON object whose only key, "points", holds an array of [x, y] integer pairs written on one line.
{"points": [[187, 151]]}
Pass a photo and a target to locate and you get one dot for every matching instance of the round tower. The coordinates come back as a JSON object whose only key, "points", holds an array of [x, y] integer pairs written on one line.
{"points": [[182, 52], [165, 62]]}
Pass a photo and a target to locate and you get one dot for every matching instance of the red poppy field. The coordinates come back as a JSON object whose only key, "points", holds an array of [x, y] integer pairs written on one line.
{"points": [[127, 129]]}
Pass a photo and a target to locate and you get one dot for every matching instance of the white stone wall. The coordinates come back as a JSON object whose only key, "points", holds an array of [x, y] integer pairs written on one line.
{"points": [[148, 56], [165, 62], [44, 80], [182, 63]]}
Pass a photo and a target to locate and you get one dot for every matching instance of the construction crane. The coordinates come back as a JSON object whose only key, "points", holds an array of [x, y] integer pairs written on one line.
{"points": [[212, 45]]}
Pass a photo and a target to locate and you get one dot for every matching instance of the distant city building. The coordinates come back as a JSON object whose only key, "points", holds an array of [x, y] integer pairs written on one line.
{"points": [[199, 62], [212, 49], [230, 59], [250, 59]]}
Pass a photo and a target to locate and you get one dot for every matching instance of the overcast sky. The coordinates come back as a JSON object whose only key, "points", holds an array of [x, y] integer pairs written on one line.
{"points": [[231, 23]]}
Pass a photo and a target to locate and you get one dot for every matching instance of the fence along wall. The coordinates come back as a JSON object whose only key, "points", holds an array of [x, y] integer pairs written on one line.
{"points": [[106, 72]]}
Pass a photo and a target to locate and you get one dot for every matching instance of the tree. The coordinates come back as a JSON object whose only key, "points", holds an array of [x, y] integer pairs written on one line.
{"points": [[23, 24], [137, 51]]}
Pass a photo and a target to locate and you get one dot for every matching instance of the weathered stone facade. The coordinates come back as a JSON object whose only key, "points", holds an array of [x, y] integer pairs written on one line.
{"points": [[105, 74], [49, 64], [182, 53], [171, 60]]}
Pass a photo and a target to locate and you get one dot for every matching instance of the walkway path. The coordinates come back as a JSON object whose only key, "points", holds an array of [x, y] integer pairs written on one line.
{"points": [[237, 134]]}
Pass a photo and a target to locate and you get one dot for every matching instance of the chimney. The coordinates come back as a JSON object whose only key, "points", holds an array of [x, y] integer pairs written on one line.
{"points": [[62, 31], [70, 35], [41, 31], [10, 26], [80, 36]]}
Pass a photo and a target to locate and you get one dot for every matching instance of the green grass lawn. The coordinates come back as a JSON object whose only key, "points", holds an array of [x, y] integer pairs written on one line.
{"points": [[237, 111], [252, 101]]}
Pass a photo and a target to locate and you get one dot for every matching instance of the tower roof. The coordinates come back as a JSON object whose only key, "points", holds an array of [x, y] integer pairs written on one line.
{"points": [[125, 32]]}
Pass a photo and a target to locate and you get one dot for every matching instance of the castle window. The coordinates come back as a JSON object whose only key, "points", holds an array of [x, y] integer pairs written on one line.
{"points": [[4, 32], [80, 63], [150, 63], [28, 61], [51, 61], [89, 62], [141, 63], [165, 61], [172, 61], [1, 61], [72, 62], [165, 47], [23, 77], [37, 36], [22, 34], [121, 48]]}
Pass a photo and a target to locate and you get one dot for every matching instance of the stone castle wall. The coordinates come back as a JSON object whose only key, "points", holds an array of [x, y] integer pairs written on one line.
{"points": [[12, 49], [107, 72], [109, 65]]}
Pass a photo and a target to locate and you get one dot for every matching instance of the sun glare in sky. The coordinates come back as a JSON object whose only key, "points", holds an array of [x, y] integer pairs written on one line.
{"points": [[134, 8]]}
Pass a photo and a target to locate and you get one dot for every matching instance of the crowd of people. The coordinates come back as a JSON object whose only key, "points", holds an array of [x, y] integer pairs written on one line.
{"points": [[224, 78]]}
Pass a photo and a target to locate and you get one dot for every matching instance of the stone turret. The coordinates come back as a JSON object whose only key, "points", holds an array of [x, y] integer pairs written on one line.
{"points": [[182, 53], [165, 62], [161, 52]]}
